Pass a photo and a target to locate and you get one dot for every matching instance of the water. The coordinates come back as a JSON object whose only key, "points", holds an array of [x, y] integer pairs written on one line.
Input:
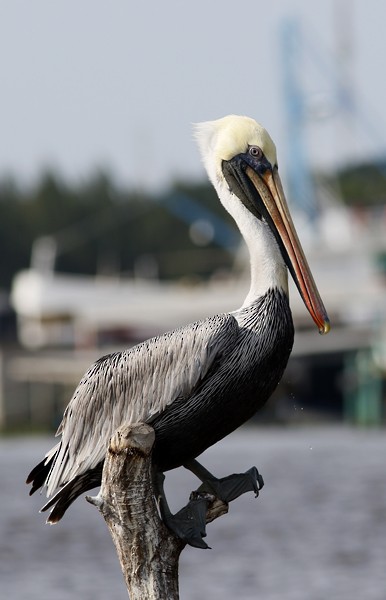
{"points": [[317, 531]]}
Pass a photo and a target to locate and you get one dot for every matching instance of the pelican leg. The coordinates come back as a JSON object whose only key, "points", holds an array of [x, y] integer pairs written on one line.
{"points": [[226, 488], [189, 523]]}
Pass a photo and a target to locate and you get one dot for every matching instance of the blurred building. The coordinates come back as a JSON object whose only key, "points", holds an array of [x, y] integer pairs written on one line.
{"points": [[64, 322]]}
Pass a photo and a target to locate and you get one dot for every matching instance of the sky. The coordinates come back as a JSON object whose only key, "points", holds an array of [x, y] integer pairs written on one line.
{"points": [[117, 84]]}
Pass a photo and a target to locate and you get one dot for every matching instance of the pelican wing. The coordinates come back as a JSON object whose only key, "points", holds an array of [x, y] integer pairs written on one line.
{"points": [[133, 386]]}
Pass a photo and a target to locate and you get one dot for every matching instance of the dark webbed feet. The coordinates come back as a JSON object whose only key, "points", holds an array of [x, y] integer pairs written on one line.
{"points": [[189, 523]]}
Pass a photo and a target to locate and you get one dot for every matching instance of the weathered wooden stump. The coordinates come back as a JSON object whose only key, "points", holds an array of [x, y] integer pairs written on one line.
{"points": [[148, 552]]}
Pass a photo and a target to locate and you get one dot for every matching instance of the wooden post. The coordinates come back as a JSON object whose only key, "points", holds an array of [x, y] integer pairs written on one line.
{"points": [[148, 552]]}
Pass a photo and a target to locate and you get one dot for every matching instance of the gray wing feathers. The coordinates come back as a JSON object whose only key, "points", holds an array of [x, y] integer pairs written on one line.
{"points": [[133, 386]]}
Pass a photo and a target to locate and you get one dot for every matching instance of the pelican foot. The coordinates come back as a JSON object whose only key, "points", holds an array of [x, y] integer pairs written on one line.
{"points": [[231, 487], [189, 523]]}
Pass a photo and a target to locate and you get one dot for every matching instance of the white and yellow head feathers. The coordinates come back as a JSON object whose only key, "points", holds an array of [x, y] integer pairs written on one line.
{"points": [[224, 138]]}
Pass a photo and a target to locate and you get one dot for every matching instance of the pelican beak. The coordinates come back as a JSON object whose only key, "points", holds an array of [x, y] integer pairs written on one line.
{"points": [[273, 207]]}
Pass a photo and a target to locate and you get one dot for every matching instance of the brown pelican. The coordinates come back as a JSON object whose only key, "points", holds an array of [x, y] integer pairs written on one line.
{"points": [[198, 383]]}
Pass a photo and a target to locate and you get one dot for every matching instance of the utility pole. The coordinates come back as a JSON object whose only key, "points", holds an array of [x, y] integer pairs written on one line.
{"points": [[346, 138], [300, 184]]}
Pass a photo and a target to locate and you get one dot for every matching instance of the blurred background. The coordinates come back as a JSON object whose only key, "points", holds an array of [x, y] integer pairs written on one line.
{"points": [[110, 233]]}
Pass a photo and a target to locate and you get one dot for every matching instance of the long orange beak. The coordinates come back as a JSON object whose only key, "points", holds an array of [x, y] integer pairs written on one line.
{"points": [[270, 190]]}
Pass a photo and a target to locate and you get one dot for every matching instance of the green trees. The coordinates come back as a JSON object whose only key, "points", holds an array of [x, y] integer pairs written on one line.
{"points": [[364, 184], [98, 227]]}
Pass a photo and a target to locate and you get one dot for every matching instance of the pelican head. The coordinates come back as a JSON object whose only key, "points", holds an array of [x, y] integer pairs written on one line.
{"points": [[241, 161]]}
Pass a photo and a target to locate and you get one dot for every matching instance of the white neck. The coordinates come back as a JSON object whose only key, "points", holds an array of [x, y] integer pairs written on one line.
{"points": [[268, 269]]}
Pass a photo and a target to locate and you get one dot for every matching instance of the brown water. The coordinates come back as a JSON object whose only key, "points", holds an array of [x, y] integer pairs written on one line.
{"points": [[317, 531]]}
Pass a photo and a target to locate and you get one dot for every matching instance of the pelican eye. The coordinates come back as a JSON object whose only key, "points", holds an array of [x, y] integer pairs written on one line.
{"points": [[255, 151]]}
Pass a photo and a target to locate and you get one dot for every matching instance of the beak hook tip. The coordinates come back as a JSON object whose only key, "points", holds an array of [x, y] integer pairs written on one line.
{"points": [[325, 328]]}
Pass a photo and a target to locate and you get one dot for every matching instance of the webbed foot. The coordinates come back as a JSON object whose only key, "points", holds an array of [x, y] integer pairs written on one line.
{"points": [[231, 487], [189, 523], [227, 488]]}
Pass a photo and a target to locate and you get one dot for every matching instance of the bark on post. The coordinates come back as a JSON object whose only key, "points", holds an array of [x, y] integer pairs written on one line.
{"points": [[148, 552]]}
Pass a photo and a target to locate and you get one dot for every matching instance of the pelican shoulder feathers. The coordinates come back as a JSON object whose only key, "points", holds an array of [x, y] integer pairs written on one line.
{"points": [[134, 386]]}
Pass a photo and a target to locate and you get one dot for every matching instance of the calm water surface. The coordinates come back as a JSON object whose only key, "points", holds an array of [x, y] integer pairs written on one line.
{"points": [[317, 531]]}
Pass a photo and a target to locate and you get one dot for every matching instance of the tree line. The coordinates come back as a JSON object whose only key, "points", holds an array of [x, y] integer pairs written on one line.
{"points": [[98, 226]]}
